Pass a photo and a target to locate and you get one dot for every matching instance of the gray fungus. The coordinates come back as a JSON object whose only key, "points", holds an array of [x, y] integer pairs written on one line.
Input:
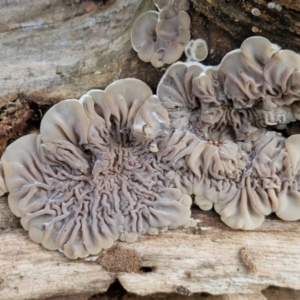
{"points": [[89, 177], [196, 50], [253, 87], [159, 37], [122, 162]]}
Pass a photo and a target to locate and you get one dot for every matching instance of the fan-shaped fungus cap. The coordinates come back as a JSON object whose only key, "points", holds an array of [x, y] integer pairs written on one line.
{"points": [[159, 37], [175, 87], [242, 80], [258, 50], [89, 178], [262, 79], [189, 93], [242, 71], [247, 182], [282, 80], [144, 36], [165, 52], [175, 28], [175, 92], [261, 71]]}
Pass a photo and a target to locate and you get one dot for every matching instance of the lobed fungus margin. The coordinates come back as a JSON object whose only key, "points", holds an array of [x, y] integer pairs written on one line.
{"points": [[121, 162], [159, 37], [90, 177], [248, 172]]}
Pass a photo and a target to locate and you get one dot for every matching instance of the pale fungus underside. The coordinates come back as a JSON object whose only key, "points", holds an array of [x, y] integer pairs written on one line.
{"points": [[121, 162]]}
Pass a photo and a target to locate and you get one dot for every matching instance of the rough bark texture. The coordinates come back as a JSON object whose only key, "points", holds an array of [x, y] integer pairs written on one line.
{"points": [[52, 50]]}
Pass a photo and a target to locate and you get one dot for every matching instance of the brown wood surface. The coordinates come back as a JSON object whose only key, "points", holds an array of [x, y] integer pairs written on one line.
{"points": [[54, 49]]}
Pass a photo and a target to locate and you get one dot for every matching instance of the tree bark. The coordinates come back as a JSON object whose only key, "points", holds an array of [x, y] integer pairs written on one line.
{"points": [[53, 50]]}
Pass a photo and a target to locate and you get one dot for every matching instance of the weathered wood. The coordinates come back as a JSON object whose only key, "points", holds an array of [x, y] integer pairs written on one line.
{"points": [[28, 272], [56, 51], [50, 51], [237, 20], [211, 258]]}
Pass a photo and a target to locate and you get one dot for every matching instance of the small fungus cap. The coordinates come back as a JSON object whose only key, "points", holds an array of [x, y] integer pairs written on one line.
{"points": [[159, 37], [196, 50], [144, 36], [175, 28], [242, 71]]}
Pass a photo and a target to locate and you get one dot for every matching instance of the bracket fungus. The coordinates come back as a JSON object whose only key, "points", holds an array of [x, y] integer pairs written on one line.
{"points": [[159, 37], [247, 172], [255, 86], [121, 162], [89, 177]]}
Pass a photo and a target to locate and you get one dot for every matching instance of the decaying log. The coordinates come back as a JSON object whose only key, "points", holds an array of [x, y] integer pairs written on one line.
{"points": [[237, 20], [52, 50], [211, 258]]}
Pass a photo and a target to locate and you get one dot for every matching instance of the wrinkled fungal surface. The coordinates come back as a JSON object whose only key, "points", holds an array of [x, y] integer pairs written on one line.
{"points": [[90, 178], [194, 99], [159, 37], [248, 181], [122, 162], [242, 170], [254, 87], [244, 181]]}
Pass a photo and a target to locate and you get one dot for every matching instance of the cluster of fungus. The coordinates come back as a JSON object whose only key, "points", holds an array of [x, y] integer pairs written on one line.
{"points": [[253, 87], [91, 176], [121, 162], [238, 167], [159, 37]]}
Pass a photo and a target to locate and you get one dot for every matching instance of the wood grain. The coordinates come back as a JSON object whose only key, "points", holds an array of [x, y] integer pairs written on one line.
{"points": [[52, 50], [211, 258]]}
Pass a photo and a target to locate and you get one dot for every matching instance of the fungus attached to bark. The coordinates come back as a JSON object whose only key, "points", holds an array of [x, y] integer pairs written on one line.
{"points": [[122, 162], [191, 94], [144, 37], [248, 172], [263, 80], [90, 178], [176, 94], [247, 181], [159, 37]]}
